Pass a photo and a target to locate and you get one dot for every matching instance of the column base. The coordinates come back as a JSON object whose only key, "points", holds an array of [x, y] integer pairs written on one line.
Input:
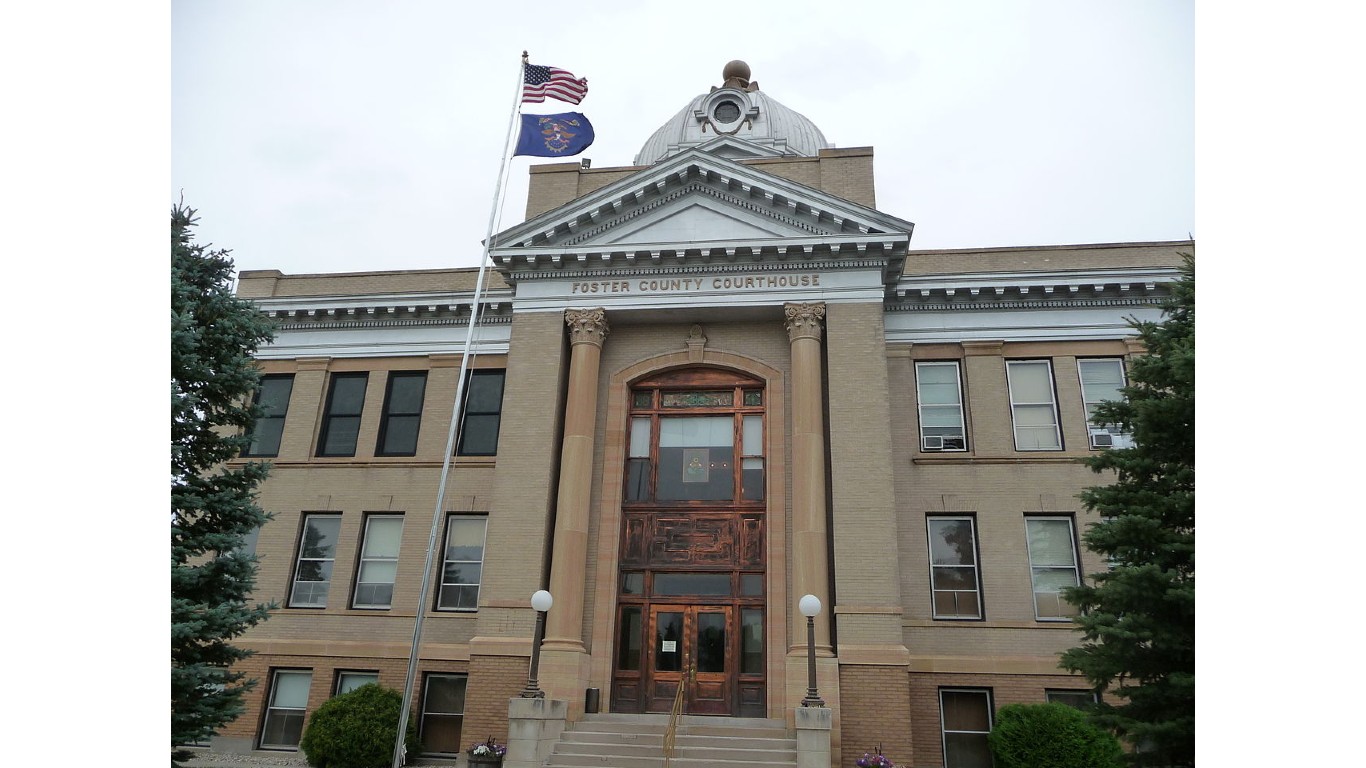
{"points": [[534, 725]]}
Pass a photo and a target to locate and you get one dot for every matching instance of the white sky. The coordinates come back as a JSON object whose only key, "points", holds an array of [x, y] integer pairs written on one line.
{"points": [[318, 135]]}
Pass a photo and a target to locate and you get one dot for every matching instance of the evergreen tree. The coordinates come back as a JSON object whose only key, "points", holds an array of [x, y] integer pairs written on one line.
{"points": [[213, 336], [1138, 617]]}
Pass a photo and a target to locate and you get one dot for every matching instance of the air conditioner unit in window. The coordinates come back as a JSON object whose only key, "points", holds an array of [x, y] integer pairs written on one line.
{"points": [[931, 443], [1102, 439]]}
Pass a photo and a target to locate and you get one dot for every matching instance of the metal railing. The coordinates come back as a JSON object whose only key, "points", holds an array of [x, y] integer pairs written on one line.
{"points": [[671, 730]]}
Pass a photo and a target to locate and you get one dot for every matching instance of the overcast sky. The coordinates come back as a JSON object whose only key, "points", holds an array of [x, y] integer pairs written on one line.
{"points": [[320, 135]]}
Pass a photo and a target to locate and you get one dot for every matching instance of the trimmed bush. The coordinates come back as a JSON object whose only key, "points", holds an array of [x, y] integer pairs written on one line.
{"points": [[356, 730], [1051, 736]]}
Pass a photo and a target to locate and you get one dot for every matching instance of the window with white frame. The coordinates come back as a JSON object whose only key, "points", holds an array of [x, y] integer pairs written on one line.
{"points": [[443, 714], [939, 394], [348, 681], [1052, 566], [955, 592], [1033, 408], [1077, 699], [378, 562], [463, 563], [965, 721], [284, 722], [313, 571], [1101, 380]]}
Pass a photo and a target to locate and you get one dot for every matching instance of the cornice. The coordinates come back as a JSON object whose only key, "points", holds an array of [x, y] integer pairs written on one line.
{"points": [[384, 311], [709, 268], [1028, 290], [886, 251]]}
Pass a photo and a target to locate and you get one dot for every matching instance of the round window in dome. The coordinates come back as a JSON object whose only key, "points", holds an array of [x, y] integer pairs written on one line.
{"points": [[726, 112]]}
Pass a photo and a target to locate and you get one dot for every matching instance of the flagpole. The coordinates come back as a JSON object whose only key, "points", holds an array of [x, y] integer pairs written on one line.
{"points": [[457, 421]]}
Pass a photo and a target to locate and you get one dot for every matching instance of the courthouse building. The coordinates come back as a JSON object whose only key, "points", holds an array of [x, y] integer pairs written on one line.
{"points": [[699, 388]]}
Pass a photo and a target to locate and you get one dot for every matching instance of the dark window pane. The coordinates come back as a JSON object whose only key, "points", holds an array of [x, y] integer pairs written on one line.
{"points": [[638, 480], [628, 643], [966, 750], [752, 641], [692, 584], [400, 435], [752, 480], [966, 711], [642, 399], [633, 583], [751, 584], [486, 392], [405, 392], [754, 397], [479, 435], [265, 438], [711, 642], [274, 394], [348, 395], [668, 639]]}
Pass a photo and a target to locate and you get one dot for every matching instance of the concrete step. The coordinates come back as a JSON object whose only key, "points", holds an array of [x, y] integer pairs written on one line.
{"points": [[637, 741], [710, 748]]}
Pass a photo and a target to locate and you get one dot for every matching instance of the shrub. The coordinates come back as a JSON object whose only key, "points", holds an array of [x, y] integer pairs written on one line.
{"points": [[356, 730], [1051, 736]]}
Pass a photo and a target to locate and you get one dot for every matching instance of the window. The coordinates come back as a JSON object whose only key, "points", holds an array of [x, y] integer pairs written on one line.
{"points": [[965, 721], [313, 573], [1032, 407], [463, 563], [954, 589], [483, 413], [696, 436], [378, 562], [350, 681], [341, 420], [1082, 700], [402, 414], [443, 713], [939, 392], [249, 540], [1052, 565], [285, 713], [1101, 380], [272, 395]]}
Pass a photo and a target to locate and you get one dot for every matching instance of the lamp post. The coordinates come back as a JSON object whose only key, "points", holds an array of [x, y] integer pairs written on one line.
{"points": [[810, 607], [540, 602]]}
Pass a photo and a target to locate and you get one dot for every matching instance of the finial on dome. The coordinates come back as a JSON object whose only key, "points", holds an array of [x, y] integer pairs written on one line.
{"points": [[736, 75]]}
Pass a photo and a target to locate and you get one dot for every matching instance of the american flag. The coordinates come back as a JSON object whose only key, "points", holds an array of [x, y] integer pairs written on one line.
{"points": [[539, 82]]}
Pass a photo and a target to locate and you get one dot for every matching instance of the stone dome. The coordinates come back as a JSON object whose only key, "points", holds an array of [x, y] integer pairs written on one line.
{"points": [[737, 108]]}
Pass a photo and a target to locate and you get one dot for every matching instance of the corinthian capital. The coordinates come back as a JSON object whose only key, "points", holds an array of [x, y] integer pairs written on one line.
{"points": [[586, 326], [804, 320]]}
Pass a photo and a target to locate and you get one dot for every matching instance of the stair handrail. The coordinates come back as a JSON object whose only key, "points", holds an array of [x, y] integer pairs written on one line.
{"points": [[671, 730]]}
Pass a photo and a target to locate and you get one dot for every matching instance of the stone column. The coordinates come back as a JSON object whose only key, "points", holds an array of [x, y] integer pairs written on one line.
{"points": [[564, 622], [810, 564]]}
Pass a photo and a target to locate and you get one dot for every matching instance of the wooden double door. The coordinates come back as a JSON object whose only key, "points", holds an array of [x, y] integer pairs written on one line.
{"points": [[692, 647]]}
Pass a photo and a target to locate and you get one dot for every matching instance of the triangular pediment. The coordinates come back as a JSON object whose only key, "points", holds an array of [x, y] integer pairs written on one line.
{"points": [[697, 217], [699, 206]]}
